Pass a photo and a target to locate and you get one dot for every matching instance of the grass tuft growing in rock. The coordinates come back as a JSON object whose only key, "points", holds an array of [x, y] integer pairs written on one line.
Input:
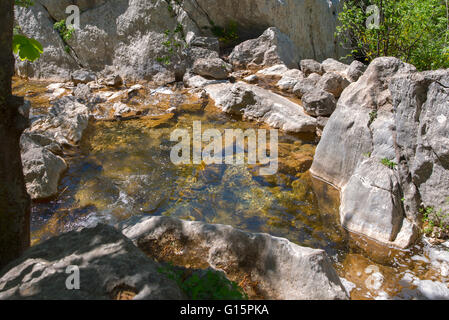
{"points": [[388, 163], [435, 223], [204, 284]]}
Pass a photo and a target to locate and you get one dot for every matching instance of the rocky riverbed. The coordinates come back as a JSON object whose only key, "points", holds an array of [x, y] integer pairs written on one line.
{"points": [[362, 154], [110, 177]]}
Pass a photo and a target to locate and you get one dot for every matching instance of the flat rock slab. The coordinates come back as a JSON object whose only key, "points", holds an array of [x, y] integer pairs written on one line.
{"points": [[268, 267], [255, 103], [107, 262]]}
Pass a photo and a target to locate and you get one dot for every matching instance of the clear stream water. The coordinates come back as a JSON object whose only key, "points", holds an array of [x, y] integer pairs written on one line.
{"points": [[123, 169]]}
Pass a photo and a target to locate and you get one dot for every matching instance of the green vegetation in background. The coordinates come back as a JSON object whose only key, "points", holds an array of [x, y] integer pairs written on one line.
{"points": [[213, 285], [388, 163], [372, 117], [26, 48], [24, 3], [435, 223], [227, 34], [65, 32], [174, 42], [415, 31]]}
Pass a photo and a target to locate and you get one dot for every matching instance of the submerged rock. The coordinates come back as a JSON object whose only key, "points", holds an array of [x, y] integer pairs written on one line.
{"points": [[274, 267], [107, 262], [255, 103]]}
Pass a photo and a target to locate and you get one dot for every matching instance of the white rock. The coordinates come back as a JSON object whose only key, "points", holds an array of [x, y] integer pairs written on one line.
{"points": [[255, 103], [284, 270], [276, 70]]}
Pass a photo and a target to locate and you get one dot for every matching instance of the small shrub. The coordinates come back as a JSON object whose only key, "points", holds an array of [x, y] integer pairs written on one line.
{"points": [[174, 42], [227, 34], [372, 117], [435, 223], [415, 31], [65, 32], [367, 154], [388, 163]]}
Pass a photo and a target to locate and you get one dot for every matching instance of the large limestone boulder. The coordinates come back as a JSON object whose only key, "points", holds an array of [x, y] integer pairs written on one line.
{"points": [[108, 262], [371, 204], [36, 22], [347, 136], [421, 101], [310, 24], [363, 127], [271, 48], [255, 103], [355, 71], [42, 169], [127, 35], [274, 268], [304, 86]]}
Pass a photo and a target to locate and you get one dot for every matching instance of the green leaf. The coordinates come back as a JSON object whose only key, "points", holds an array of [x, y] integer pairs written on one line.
{"points": [[24, 3], [26, 48]]}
